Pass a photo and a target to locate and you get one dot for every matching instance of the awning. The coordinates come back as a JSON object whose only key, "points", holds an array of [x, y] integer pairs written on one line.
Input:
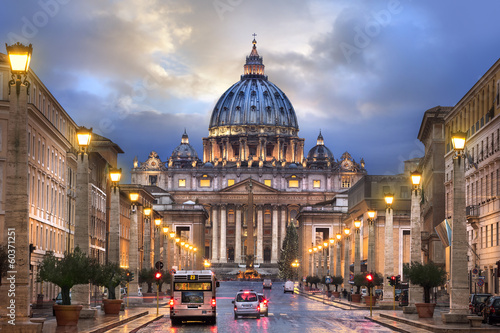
{"points": [[443, 230]]}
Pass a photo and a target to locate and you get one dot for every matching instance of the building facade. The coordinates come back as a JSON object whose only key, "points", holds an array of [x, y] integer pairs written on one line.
{"points": [[253, 178], [477, 114]]}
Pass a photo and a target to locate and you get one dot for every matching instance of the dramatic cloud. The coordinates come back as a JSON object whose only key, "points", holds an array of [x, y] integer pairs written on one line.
{"points": [[363, 72]]}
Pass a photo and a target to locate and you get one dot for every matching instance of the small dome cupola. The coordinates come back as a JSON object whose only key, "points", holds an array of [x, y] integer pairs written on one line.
{"points": [[319, 157], [320, 141], [254, 67], [184, 155], [185, 138]]}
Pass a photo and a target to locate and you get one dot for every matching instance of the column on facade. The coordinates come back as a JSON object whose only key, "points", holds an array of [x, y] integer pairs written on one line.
{"points": [[357, 259], [237, 236], [213, 144], [206, 151], [223, 226], [260, 235], [293, 145], [274, 245], [156, 246], [389, 250], [215, 248], [331, 251], [283, 225]]}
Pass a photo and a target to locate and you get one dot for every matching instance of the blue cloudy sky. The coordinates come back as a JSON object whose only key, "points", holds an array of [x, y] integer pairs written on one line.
{"points": [[364, 72]]}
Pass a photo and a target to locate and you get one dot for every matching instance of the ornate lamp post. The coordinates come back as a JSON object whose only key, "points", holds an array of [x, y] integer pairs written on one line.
{"points": [[157, 237], [81, 293], [311, 257], [415, 292], [331, 251], [16, 195], [114, 218], [371, 240], [458, 264], [325, 258], [320, 260], [134, 254], [295, 264], [389, 241], [147, 238], [357, 261], [315, 249], [347, 271], [339, 254]]}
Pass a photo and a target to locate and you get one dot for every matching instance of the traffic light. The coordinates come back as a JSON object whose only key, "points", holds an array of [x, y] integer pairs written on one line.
{"points": [[129, 276], [392, 280], [369, 277], [397, 279], [158, 276]]}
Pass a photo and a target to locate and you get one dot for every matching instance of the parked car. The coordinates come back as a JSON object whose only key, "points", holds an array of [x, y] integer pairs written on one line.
{"points": [[288, 287], [263, 304], [476, 303], [491, 311], [364, 292], [267, 284], [379, 293], [246, 303]]}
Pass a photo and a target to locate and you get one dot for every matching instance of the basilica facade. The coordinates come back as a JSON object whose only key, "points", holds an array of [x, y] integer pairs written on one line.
{"points": [[253, 157]]}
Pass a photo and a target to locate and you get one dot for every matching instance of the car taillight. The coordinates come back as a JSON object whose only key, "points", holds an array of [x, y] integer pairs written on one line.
{"points": [[265, 302], [258, 308], [171, 302], [492, 310], [235, 309], [213, 301]]}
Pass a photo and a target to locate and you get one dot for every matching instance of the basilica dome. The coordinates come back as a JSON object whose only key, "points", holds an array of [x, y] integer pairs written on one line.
{"points": [[253, 101], [320, 151]]}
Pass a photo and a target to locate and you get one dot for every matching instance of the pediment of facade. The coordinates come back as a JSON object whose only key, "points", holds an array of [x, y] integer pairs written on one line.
{"points": [[243, 188]]}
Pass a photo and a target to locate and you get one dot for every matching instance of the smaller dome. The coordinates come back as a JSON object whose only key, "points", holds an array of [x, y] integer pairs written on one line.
{"points": [[184, 151], [208, 165], [320, 151], [293, 166]]}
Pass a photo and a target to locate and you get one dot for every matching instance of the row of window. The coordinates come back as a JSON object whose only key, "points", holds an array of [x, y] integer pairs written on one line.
{"points": [[483, 189], [46, 195], [490, 235], [48, 239], [47, 109], [292, 183], [53, 161]]}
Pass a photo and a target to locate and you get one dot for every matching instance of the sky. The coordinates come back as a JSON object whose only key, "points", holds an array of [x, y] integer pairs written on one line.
{"points": [[363, 72]]}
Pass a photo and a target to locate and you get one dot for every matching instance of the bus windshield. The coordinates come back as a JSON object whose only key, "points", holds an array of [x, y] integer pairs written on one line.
{"points": [[179, 286]]}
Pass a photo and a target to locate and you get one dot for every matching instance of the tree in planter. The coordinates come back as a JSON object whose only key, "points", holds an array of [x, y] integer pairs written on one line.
{"points": [[359, 281], [75, 268], [147, 275], [165, 278], [336, 281], [427, 276], [377, 280], [289, 253], [110, 275]]}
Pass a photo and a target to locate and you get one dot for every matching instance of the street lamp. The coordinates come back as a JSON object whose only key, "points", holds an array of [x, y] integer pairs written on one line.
{"points": [[114, 246], [458, 262], [115, 175], [19, 59], [326, 270], [415, 292], [295, 264], [84, 136], [347, 231], [357, 264], [389, 241], [370, 266], [332, 252]]}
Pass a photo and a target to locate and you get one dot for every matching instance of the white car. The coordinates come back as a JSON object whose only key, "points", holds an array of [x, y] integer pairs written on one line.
{"points": [[288, 287]]}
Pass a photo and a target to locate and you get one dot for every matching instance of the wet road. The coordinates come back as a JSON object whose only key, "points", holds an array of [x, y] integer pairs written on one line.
{"points": [[287, 313]]}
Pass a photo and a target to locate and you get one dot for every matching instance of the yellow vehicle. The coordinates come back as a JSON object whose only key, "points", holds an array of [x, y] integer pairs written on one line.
{"points": [[193, 297]]}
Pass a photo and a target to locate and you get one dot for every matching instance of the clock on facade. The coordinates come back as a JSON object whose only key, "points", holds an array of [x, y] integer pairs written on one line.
{"points": [[346, 164]]}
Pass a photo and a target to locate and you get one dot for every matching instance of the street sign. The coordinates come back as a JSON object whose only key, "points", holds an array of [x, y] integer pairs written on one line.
{"points": [[475, 271], [328, 280], [480, 282], [172, 271], [158, 265]]}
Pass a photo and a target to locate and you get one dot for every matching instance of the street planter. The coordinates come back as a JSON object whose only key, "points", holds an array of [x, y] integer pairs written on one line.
{"points": [[336, 294], [112, 306], [67, 315], [356, 298], [425, 310], [370, 300]]}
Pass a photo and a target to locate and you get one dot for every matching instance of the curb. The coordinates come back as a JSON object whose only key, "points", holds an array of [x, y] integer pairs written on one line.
{"points": [[108, 326]]}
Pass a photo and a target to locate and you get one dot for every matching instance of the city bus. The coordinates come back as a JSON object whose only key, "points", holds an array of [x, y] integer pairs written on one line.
{"points": [[192, 297]]}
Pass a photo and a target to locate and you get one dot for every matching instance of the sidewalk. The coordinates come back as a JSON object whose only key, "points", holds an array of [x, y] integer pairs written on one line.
{"points": [[129, 320], [399, 321]]}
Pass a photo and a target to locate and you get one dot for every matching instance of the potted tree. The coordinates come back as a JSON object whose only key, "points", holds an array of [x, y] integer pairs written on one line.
{"points": [[336, 281], [147, 275], [75, 268], [427, 276], [359, 281], [110, 275]]}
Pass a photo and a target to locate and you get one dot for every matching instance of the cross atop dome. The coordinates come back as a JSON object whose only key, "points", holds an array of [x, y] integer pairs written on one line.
{"points": [[254, 66]]}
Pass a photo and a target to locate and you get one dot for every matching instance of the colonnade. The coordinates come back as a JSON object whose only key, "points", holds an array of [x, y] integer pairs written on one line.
{"points": [[225, 216]]}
